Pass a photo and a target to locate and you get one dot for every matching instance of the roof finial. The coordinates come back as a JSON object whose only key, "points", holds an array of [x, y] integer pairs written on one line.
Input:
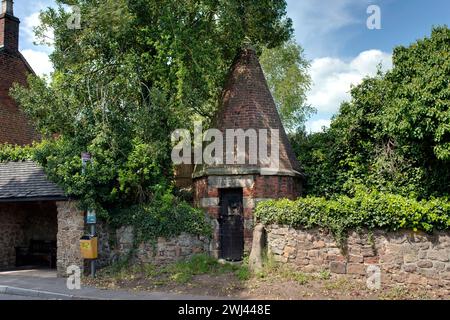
{"points": [[8, 7], [247, 45]]}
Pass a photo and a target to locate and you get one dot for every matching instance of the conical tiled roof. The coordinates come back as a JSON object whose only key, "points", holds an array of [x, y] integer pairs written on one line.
{"points": [[248, 104]]}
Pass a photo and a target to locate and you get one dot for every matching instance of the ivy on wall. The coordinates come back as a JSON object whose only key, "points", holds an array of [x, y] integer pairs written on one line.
{"points": [[366, 210]]}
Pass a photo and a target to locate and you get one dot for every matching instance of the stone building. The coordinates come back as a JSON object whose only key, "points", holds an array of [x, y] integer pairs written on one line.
{"points": [[230, 192], [38, 223]]}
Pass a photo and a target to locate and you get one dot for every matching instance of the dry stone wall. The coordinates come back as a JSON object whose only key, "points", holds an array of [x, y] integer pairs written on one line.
{"points": [[117, 244], [403, 257]]}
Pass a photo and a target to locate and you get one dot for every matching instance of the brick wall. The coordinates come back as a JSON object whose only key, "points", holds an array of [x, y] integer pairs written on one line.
{"points": [[403, 257], [255, 188], [15, 128]]}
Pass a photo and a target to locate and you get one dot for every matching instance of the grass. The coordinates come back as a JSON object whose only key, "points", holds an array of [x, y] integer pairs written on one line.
{"points": [[181, 272], [400, 293], [273, 270], [324, 275]]}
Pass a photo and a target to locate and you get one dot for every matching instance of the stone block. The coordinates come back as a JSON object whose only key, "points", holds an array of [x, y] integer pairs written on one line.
{"points": [[371, 260], [440, 255], [425, 264], [356, 268], [355, 258], [411, 267], [338, 267], [439, 266]]}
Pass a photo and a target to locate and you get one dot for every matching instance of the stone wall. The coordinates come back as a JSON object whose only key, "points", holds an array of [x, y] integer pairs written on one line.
{"points": [[403, 257], [70, 230], [21, 222], [114, 245]]}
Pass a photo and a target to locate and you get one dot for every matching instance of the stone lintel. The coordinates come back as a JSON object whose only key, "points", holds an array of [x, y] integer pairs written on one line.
{"points": [[209, 202], [222, 182]]}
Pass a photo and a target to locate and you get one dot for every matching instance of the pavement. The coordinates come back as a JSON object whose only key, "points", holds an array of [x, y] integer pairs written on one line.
{"points": [[36, 284]]}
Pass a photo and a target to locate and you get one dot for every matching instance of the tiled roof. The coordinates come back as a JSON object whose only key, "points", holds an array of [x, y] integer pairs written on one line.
{"points": [[26, 181], [248, 104]]}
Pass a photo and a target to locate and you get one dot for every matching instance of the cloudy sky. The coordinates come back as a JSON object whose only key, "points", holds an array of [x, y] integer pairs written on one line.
{"points": [[334, 34]]}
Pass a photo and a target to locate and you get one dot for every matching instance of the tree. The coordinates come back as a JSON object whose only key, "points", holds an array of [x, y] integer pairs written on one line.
{"points": [[394, 134], [286, 70], [134, 72]]}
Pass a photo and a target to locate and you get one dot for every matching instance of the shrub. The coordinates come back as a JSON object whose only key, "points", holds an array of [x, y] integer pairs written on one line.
{"points": [[366, 210], [164, 216]]}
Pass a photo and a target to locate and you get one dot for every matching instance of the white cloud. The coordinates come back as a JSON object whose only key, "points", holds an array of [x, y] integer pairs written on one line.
{"points": [[37, 56], [29, 24], [317, 125], [316, 21], [332, 78], [39, 61]]}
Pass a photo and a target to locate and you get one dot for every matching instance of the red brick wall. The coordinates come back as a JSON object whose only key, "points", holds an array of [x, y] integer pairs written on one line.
{"points": [[263, 187], [15, 127], [9, 32]]}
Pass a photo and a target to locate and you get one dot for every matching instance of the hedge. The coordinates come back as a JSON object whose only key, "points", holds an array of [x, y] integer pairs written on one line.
{"points": [[366, 210]]}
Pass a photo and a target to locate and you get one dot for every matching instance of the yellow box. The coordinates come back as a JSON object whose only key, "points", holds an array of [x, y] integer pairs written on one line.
{"points": [[89, 248]]}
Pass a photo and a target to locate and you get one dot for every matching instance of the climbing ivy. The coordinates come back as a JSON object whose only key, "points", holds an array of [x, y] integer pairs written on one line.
{"points": [[367, 209], [166, 216]]}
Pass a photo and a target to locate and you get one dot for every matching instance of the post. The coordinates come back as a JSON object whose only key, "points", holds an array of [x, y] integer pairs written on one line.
{"points": [[91, 218], [93, 261]]}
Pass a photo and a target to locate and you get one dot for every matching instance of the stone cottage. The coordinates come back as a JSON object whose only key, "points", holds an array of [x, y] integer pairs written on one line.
{"points": [[38, 223]]}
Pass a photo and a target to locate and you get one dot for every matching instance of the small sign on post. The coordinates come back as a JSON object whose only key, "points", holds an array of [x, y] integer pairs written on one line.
{"points": [[85, 158], [91, 217]]}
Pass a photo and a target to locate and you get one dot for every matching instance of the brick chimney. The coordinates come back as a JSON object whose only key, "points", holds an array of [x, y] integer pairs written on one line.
{"points": [[9, 27]]}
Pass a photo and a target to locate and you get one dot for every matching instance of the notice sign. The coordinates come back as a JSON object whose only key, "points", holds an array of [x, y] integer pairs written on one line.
{"points": [[91, 217]]}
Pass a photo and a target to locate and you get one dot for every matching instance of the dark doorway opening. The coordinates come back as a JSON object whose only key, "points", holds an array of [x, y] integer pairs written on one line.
{"points": [[28, 235], [231, 222]]}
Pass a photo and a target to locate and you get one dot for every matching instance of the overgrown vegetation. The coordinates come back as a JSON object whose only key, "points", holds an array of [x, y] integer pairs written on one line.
{"points": [[180, 272], [165, 216], [385, 161], [394, 134], [123, 82], [365, 210]]}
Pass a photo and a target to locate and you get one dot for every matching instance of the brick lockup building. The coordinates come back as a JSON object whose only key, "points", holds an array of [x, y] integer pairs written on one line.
{"points": [[230, 192]]}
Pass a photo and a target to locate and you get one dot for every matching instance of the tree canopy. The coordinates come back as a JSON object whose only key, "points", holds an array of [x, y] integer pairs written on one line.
{"points": [[134, 72], [394, 134], [286, 70]]}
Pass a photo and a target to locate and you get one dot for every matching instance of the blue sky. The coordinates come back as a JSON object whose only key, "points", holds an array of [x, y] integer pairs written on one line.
{"points": [[333, 33]]}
